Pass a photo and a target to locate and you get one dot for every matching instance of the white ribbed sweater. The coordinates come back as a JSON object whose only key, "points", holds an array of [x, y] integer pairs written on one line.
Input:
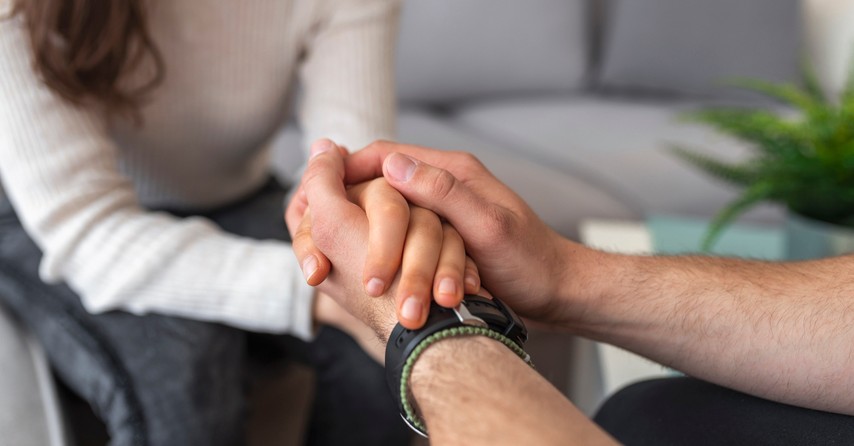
{"points": [[80, 183]]}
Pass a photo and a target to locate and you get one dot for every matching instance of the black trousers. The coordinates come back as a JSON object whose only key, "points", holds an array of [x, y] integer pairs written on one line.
{"points": [[687, 411], [161, 380]]}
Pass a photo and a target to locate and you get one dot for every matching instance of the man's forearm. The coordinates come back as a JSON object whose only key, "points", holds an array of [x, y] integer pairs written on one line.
{"points": [[783, 331], [473, 390]]}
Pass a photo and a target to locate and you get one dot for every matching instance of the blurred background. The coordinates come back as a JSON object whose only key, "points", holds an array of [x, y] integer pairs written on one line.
{"points": [[573, 103]]}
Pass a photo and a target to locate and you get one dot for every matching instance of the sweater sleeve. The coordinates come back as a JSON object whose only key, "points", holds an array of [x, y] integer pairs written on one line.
{"points": [[59, 169], [348, 73]]}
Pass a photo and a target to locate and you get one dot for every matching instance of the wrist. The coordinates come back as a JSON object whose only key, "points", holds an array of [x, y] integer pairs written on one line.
{"points": [[587, 279], [475, 316], [327, 311], [451, 377], [437, 362]]}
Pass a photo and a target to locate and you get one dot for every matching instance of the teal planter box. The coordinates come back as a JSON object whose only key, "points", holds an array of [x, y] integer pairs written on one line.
{"points": [[682, 235], [813, 239]]}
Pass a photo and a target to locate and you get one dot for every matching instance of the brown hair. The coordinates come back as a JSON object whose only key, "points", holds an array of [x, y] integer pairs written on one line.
{"points": [[82, 48]]}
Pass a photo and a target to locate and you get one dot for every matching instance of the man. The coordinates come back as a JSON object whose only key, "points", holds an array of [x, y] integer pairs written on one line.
{"points": [[782, 332]]}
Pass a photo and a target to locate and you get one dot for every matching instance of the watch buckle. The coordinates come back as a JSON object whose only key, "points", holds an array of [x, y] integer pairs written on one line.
{"points": [[464, 315]]}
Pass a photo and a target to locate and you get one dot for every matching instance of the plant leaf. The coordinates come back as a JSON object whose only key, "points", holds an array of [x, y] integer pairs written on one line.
{"points": [[770, 133], [748, 199], [812, 85], [848, 92], [739, 174], [787, 93]]}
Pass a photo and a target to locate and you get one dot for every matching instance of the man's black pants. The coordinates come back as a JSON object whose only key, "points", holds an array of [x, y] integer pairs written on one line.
{"points": [[687, 411]]}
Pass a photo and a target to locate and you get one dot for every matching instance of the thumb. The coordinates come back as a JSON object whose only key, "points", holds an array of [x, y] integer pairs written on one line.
{"points": [[440, 191]]}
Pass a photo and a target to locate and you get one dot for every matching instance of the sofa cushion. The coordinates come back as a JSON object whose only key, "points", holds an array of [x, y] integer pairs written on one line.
{"points": [[451, 50], [692, 46], [619, 146], [559, 198]]}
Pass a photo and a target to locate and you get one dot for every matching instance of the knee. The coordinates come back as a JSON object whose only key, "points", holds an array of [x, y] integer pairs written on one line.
{"points": [[188, 379]]}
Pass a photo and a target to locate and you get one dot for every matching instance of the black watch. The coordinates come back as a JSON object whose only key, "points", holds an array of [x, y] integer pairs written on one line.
{"points": [[474, 311]]}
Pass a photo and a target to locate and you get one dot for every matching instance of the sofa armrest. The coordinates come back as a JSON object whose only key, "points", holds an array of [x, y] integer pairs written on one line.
{"points": [[30, 413]]}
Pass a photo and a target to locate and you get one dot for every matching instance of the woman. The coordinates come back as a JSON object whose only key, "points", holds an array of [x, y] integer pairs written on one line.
{"points": [[146, 234]]}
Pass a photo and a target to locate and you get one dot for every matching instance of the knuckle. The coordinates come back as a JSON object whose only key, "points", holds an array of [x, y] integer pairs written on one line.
{"points": [[376, 265], [468, 160], [321, 163], [471, 270], [443, 184], [302, 235], [379, 184], [472, 274], [469, 165], [311, 175], [450, 233], [302, 239], [379, 144], [413, 283], [425, 220], [498, 224], [393, 211]]}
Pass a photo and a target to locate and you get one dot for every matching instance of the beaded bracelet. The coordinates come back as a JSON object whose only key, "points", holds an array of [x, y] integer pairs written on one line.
{"points": [[411, 417]]}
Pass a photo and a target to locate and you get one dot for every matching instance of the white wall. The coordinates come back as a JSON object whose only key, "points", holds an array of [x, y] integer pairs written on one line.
{"points": [[829, 31]]}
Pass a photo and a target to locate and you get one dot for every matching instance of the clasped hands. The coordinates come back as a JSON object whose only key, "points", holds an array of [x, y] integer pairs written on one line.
{"points": [[382, 232]]}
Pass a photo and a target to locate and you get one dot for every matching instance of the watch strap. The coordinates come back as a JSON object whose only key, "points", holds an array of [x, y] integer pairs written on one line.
{"points": [[491, 316], [408, 412], [403, 341]]}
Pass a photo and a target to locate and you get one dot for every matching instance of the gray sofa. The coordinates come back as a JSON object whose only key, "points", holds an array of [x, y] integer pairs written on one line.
{"points": [[571, 103]]}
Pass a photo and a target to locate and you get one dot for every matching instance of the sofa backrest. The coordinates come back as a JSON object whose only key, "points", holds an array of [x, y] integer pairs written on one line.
{"points": [[693, 47], [456, 50], [452, 50]]}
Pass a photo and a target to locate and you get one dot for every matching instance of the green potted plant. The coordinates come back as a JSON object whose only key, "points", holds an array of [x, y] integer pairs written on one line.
{"points": [[803, 160]]}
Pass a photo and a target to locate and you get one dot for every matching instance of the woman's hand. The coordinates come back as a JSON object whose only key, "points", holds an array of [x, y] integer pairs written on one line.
{"points": [[429, 254]]}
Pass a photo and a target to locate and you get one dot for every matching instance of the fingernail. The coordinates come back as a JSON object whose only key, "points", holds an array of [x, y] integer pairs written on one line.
{"points": [[309, 267], [400, 167], [375, 287], [447, 286], [472, 282], [411, 309], [321, 146]]}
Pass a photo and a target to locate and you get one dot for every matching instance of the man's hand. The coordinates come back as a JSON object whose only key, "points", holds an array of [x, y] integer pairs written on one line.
{"points": [[775, 330], [370, 224], [520, 259]]}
